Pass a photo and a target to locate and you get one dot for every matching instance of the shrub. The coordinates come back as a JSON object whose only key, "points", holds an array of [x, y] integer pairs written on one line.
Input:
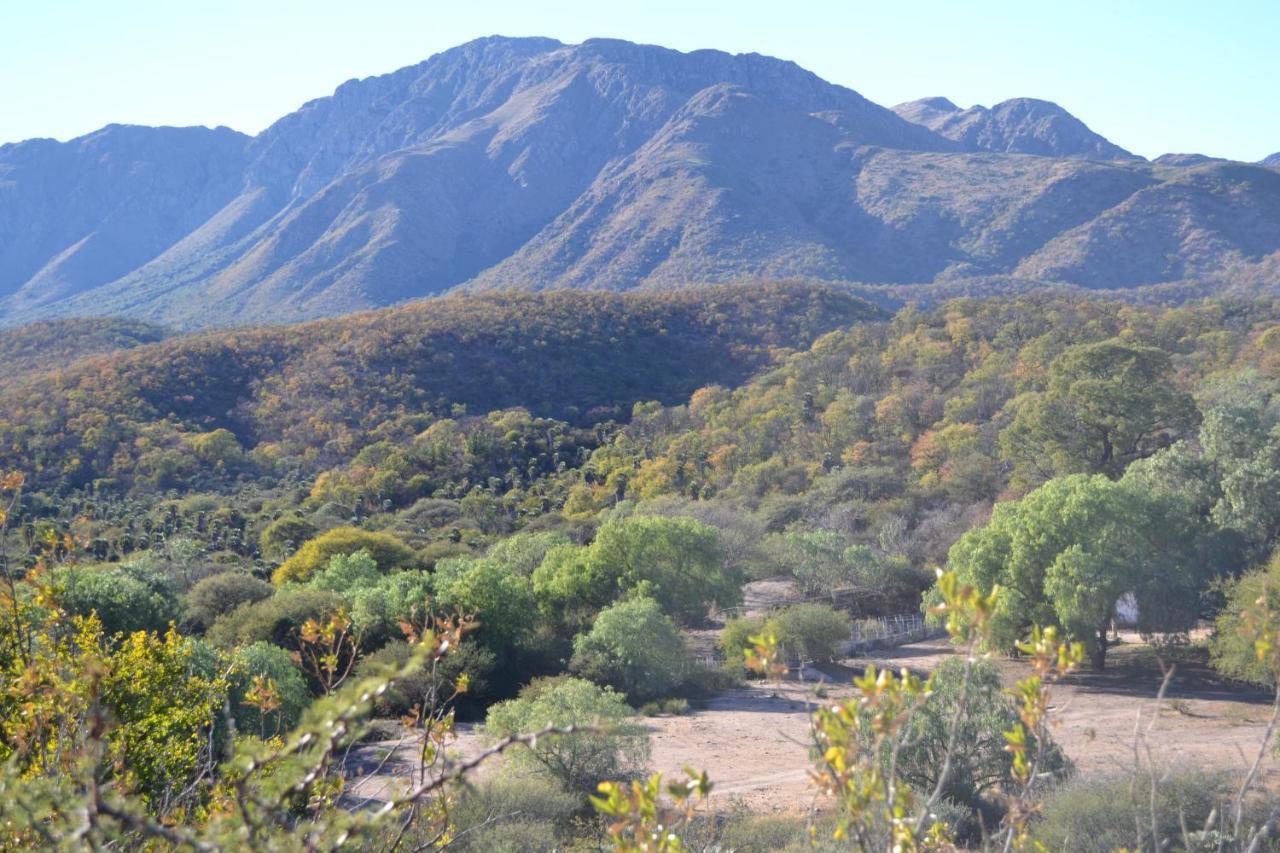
{"points": [[285, 535], [1231, 650], [734, 639], [509, 814], [219, 594], [386, 550], [980, 762], [811, 632], [634, 648], [275, 664], [665, 708], [274, 620], [579, 761], [400, 698], [126, 599], [1102, 814]]}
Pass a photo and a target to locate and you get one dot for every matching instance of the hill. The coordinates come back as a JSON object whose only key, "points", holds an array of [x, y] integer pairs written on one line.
{"points": [[530, 164], [52, 344], [297, 398]]}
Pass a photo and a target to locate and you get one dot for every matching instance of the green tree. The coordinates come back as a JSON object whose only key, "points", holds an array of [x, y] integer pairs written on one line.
{"points": [[635, 648], [1066, 553], [219, 594], [126, 598], [346, 572], [1105, 404], [677, 561], [282, 537], [496, 595], [618, 748], [275, 671], [386, 550], [1233, 648]]}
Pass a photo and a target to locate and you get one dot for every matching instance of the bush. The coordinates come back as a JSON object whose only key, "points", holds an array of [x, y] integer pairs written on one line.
{"points": [[665, 708], [634, 648], [274, 620], [735, 638], [811, 632], [1102, 814], [579, 761], [509, 814], [219, 594], [386, 550], [1233, 654], [126, 599], [285, 535], [473, 660], [273, 663], [980, 762]]}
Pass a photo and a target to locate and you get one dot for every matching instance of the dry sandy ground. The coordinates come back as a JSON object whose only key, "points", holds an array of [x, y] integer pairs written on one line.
{"points": [[753, 741], [754, 744]]}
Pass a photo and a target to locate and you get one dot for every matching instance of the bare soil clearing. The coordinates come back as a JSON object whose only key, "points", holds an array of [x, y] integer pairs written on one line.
{"points": [[754, 741], [755, 745]]}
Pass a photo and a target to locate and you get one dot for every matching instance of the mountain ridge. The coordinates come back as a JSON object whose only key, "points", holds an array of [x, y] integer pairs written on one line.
{"points": [[531, 164]]}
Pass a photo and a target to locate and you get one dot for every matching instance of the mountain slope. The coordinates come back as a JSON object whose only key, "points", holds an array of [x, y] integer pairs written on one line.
{"points": [[1273, 160], [79, 214], [1017, 126], [529, 164]]}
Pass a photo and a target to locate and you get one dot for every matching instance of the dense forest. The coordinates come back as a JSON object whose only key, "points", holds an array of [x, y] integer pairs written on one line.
{"points": [[227, 554]]}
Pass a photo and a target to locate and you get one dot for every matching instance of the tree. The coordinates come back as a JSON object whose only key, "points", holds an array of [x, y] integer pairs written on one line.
{"points": [[270, 671], [497, 596], [378, 611], [1233, 648], [815, 558], [386, 550], [347, 572], [676, 561], [1105, 404], [1068, 552], [618, 749], [126, 598], [275, 620], [635, 648], [219, 594], [282, 537]]}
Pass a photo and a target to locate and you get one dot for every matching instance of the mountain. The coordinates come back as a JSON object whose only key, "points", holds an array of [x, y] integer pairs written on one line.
{"points": [[1272, 161], [530, 164], [1017, 126]]}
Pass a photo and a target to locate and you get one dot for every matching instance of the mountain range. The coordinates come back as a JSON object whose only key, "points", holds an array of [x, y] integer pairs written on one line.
{"points": [[530, 164]]}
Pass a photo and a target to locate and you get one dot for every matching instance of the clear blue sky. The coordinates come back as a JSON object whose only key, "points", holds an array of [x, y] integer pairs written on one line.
{"points": [[1177, 75]]}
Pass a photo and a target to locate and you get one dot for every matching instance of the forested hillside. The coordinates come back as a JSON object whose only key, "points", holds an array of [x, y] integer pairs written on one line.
{"points": [[273, 518], [300, 398]]}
